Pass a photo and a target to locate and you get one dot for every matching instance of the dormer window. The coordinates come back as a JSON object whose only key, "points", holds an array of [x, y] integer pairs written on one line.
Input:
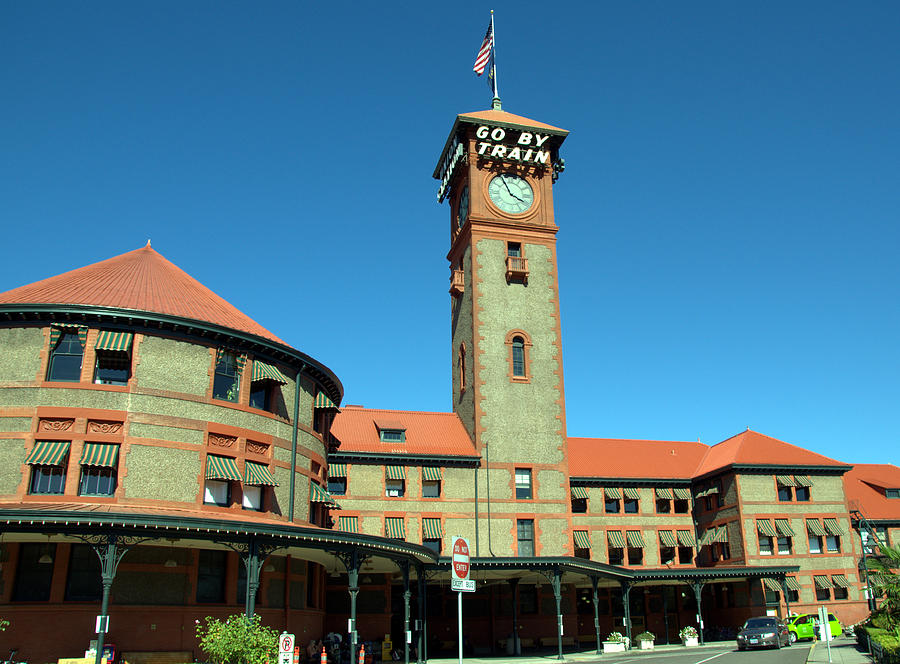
{"points": [[391, 432], [892, 493]]}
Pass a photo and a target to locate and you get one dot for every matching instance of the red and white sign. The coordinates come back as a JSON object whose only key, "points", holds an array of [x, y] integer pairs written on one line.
{"points": [[285, 648], [460, 569]]}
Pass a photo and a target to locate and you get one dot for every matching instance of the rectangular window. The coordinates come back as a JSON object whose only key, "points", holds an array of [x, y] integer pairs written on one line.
{"points": [[253, 498], [815, 543], [833, 543], [892, 493], [97, 481], [635, 556], [392, 435], [823, 594], [611, 505], [802, 493], [663, 506], [579, 505], [840, 593], [685, 555], [83, 582], [666, 554], [65, 358], [785, 494], [394, 488], [432, 543], [724, 550], [523, 483], [616, 555], [793, 596], [682, 506], [227, 380], [112, 368], [337, 486], [631, 506], [712, 502], [431, 489], [765, 545], [217, 492], [211, 570], [48, 480], [514, 249], [261, 395], [525, 537], [784, 546], [34, 572]]}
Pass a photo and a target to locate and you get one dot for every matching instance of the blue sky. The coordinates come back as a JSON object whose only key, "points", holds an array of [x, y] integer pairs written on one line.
{"points": [[728, 216]]}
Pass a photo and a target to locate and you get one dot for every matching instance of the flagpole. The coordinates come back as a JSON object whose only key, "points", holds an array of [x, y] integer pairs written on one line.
{"points": [[496, 101]]}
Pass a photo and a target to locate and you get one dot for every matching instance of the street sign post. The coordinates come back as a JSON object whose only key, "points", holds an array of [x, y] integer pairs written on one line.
{"points": [[826, 629], [459, 579], [285, 648]]}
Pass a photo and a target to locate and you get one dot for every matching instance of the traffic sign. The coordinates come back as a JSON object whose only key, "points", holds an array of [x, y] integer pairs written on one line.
{"points": [[460, 567], [463, 585], [285, 648]]}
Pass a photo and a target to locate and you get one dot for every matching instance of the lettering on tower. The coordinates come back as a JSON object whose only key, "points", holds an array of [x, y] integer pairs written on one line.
{"points": [[499, 143]]}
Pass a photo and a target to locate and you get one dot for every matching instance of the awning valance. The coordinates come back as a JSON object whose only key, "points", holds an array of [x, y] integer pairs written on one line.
{"points": [[615, 539], [833, 528], [579, 492], [57, 329], [337, 470], [840, 581], [664, 493], [682, 493], [631, 493], [708, 537], [721, 534], [105, 455], [612, 492], [667, 538], [783, 528], [322, 401], [785, 480], [685, 538], [582, 541], [822, 581], [395, 472], [257, 474], [635, 539], [432, 473], [431, 528], [263, 371], [394, 527], [48, 453], [114, 341], [764, 526], [349, 524], [814, 527], [319, 495], [771, 584], [221, 468], [792, 583], [802, 480]]}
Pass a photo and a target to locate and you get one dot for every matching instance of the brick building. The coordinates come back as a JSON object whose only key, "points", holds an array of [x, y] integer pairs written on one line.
{"points": [[166, 458]]}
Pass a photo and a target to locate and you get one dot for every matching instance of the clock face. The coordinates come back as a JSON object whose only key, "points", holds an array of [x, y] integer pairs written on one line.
{"points": [[511, 193], [462, 210]]}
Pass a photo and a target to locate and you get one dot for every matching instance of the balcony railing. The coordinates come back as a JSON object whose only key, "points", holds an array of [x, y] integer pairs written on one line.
{"points": [[457, 282], [516, 268]]}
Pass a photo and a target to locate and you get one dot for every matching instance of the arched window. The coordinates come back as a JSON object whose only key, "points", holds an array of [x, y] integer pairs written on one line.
{"points": [[519, 344], [462, 368], [518, 357]]}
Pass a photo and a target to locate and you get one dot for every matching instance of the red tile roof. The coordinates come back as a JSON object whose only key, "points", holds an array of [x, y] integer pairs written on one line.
{"points": [[502, 117], [426, 433], [864, 487], [752, 448], [140, 280], [612, 457]]}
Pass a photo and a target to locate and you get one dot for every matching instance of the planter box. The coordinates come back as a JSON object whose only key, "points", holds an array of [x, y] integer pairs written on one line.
{"points": [[645, 645], [613, 646], [690, 642]]}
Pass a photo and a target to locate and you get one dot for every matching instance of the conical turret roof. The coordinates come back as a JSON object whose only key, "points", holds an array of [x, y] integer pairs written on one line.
{"points": [[140, 280]]}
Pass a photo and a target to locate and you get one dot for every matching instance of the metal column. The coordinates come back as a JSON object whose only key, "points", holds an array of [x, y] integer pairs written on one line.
{"points": [[596, 600], [697, 587], [556, 582], [404, 567], [626, 603]]}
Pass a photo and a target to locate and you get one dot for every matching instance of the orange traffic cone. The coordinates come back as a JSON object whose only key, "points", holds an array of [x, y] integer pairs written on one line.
{"points": [[324, 658], [362, 654]]}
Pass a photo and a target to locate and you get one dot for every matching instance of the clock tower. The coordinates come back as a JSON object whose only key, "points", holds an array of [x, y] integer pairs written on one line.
{"points": [[497, 172]]}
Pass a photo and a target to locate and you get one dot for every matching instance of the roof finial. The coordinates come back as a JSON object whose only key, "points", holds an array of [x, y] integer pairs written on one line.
{"points": [[148, 243]]}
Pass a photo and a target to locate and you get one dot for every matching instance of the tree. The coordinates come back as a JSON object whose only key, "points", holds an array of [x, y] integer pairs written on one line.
{"points": [[238, 640], [885, 580]]}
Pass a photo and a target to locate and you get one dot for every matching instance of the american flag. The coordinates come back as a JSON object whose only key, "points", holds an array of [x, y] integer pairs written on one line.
{"points": [[484, 53]]}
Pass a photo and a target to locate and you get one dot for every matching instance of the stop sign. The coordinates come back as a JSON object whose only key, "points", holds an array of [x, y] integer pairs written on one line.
{"points": [[460, 558]]}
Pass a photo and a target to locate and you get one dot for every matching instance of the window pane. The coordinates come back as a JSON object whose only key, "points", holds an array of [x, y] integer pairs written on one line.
{"points": [[252, 498], [431, 489], [83, 583], [815, 544], [518, 356], [682, 506], [433, 544], [631, 506], [337, 486], [784, 546], [112, 368], [612, 506], [514, 249], [211, 576], [32, 583], [802, 493], [523, 483], [259, 395], [663, 506], [784, 493], [833, 543], [394, 488], [525, 531], [216, 492], [225, 383], [765, 545], [48, 480], [65, 359]]}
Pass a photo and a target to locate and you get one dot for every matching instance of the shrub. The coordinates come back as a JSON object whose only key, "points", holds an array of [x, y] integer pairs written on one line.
{"points": [[646, 636], [237, 640], [889, 643], [688, 632], [615, 637]]}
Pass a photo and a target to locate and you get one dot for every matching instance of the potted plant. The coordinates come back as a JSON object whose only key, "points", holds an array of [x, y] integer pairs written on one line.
{"points": [[688, 635], [645, 640], [615, 642]]}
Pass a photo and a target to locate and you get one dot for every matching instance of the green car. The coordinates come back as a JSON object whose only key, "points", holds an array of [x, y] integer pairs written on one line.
{"points": [[803, 626]]}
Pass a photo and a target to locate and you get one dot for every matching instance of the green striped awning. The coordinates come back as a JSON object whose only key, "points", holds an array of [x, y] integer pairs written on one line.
{"points": [[239, 359], [664, 493], [822, 581], [394, 527], [221, 468], [257, 474], [263, 371], [685, 538], [322, 401], [783, 528], [701, 493], [764, 526], [785, 480], [431, 528], [395, 472], [814, 527], [337, 470], [635, 539], [840, 581], [682, 493], [118, 341], [831, 525], [582, 541], [48, 453], [56, 331], [105, 455], [432, 473], [792, 583], [319, 495], [349, 524], [708, 537], [771, 584], [612, 492], [579, 492], [667, 538], [802, 480], [631, 493], [721, 534], [615, 539]]}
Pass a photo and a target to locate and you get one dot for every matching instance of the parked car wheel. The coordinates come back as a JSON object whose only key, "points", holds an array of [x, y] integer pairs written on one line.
{"points": [[793, 637]]}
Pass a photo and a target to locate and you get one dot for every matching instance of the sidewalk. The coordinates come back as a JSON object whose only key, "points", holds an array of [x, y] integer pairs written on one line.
{"points": [[843, 651], [583, 655]]}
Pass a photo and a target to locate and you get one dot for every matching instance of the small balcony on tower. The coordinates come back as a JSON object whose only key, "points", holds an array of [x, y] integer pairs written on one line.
{"points": [[517, 269], [457, 282]]}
